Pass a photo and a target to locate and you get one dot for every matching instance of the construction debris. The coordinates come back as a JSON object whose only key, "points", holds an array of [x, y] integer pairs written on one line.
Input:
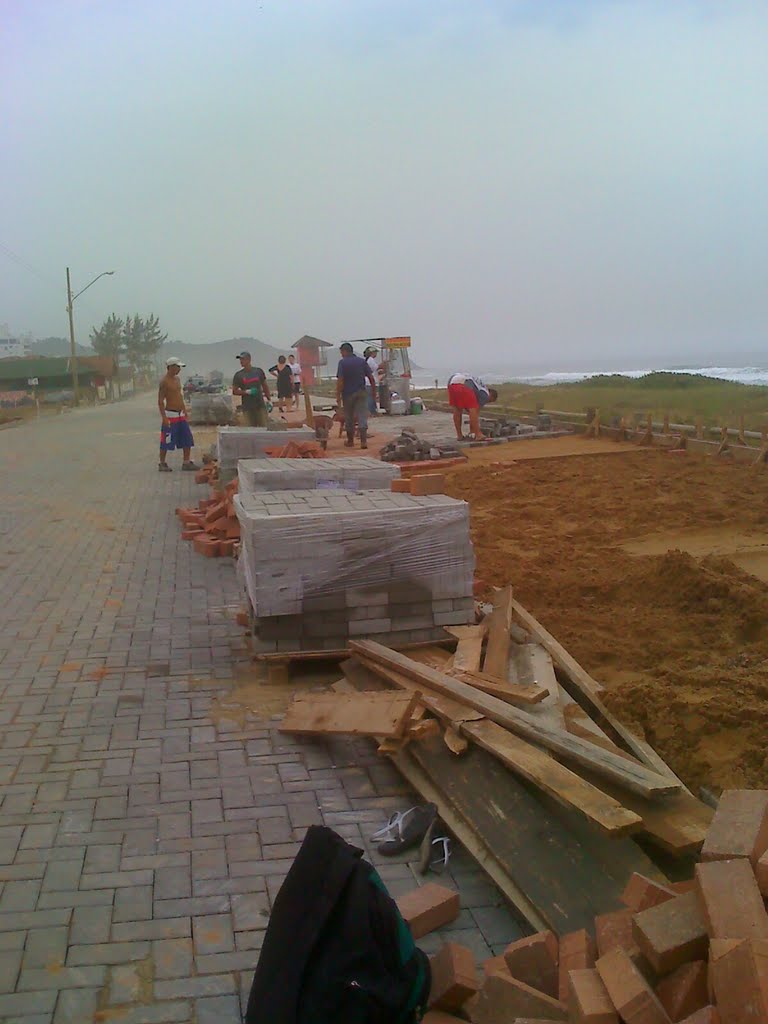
{"points": [[408, 447], [212, 527], [235, 443]]}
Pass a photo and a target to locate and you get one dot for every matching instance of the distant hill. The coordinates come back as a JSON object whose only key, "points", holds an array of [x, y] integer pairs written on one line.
{"points": [[57, 347], [220, 355]]}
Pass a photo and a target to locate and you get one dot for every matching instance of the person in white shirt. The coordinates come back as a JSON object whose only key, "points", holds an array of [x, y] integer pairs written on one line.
{"points": [[296, 370], [371, 357], [468, 394]]}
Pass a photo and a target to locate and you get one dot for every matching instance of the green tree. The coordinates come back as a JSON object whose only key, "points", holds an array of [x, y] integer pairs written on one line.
{"points": [[143, 339], [108, 340]]}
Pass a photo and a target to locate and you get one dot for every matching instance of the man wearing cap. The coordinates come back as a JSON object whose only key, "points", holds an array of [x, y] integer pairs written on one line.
{"points": [[175, 432], [250, 383], [351, 376]]}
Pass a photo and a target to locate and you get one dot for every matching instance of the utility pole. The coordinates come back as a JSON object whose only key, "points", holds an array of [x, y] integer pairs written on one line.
{"points": [[73, 350]]}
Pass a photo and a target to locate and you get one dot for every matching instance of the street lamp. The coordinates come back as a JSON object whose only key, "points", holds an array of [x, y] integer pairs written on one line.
{"points": [[70, 299]]}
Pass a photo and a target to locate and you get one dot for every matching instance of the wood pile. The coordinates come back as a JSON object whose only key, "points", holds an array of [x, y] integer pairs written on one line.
{"points": [[213, 526], [550, 793]]}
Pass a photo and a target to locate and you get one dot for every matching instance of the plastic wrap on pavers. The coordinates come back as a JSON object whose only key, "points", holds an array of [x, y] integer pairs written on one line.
{"points": [[345, 473], [215, 409], [236, 443], [321, 567]]}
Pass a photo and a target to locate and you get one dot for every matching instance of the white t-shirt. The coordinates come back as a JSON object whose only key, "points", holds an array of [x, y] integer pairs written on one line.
{"points": [[374, 365], [296, 371], [482, 392]]}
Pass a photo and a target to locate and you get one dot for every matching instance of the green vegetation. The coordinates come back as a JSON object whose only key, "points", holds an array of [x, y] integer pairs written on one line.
{"points": [[684, 397]]}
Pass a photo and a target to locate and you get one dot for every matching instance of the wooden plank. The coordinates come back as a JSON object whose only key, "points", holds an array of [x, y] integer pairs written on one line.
{"points": [[635, 777], [585, 690], [497, 648], [448, 710], [469, 652], [511, 693], [549, 775], [361, 714], [567, 870], [533, 668]]}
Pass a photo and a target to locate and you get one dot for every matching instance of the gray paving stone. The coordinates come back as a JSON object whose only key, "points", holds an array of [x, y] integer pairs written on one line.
{"points": [[217, 1010], [172, 958], [46, 947]]}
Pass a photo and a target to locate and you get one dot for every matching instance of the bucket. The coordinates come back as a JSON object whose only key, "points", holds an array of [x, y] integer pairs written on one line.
{"points": [[417, 407]]}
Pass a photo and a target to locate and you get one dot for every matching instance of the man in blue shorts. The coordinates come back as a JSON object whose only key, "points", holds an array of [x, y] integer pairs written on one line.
{"points": [[175, 432]]}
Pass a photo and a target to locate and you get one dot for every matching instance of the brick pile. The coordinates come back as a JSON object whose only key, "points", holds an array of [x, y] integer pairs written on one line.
{"points": [[344, 473], [409, 447], [320, 567], [693, 952], [212, 527], [235, 443], [292, 450]]}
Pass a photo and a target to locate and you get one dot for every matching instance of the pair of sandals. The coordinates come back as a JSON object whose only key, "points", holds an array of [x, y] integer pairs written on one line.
{"points": [[417, 825]]}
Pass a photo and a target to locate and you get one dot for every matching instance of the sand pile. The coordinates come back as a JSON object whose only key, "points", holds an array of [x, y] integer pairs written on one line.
{"points": [[680, 641]]}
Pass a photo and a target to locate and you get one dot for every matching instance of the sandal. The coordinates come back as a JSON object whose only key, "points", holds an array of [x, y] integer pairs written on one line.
{"points": [[430, 845], [405, 829]]}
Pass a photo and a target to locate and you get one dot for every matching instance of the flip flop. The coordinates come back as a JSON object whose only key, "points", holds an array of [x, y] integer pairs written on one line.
{"points": [[435, 851], [405, 829]]}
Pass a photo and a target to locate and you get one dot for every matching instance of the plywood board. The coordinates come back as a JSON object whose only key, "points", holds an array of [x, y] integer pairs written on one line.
{"points": [[469, 651], [384, 714]]}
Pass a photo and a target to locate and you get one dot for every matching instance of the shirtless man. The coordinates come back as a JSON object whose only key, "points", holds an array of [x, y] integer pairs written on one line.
{"points": [[175, 432]]}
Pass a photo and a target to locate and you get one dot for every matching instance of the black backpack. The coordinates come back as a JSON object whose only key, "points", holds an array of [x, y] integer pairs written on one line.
{"points": [[337, 950]]}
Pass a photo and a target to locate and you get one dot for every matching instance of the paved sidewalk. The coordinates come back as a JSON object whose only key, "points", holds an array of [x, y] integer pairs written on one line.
{"points": [[140, 840]]}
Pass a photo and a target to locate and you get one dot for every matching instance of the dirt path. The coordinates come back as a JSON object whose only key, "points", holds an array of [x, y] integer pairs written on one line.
{"points": [[637, 565]]}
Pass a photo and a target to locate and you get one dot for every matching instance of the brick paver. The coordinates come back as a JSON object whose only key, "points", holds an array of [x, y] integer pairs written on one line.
{"points": [[141, 842]]}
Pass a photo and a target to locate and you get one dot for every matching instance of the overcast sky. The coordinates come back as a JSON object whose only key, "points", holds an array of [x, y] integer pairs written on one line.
{"points": [[517, 182]]}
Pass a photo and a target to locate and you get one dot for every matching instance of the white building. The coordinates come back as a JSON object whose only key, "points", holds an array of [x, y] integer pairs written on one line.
{"points": [[12, 348]]}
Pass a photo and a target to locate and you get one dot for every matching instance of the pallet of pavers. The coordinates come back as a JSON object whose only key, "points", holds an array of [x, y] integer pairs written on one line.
{"points": [[235, 443], [344, 473], [320, 567]]}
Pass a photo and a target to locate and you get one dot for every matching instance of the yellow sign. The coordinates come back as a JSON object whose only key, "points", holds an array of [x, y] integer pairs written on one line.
{"points": [[397, 342]]}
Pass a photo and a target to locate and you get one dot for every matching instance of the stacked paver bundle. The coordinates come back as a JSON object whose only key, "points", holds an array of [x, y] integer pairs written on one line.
{"points": [[322, 566], [236, 443], [348, 473]]}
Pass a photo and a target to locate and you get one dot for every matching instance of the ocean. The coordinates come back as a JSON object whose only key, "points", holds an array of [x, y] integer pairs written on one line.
{"points": [[425, 378]]}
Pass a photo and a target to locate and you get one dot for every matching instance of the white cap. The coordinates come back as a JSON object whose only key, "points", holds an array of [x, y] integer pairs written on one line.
{"points": [[173, 361]]}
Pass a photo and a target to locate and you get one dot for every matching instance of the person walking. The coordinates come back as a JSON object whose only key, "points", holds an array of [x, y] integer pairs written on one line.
{"points": [[296, 371], [284, 374], [175, 432], [351, 376], [468, 394], [250, 384]]}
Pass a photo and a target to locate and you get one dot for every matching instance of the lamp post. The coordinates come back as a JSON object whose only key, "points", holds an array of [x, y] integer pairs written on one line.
{"points": [[70, 300]]}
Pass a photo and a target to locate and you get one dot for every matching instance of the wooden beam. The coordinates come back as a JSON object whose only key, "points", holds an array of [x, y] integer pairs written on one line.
{"points": [[553, 778], [497, 649], [635, 777], [586, 691], [451, 712], [385, 714]]}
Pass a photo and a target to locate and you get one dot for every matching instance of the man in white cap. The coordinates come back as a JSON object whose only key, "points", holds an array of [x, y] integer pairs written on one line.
{"points": [[175, 432]]}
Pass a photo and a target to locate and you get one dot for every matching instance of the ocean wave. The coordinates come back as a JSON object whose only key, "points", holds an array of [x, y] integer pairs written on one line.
{"points": [[737, 374]]}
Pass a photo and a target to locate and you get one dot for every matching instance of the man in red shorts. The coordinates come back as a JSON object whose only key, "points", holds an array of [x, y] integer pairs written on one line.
{"points": [[468, 394]]}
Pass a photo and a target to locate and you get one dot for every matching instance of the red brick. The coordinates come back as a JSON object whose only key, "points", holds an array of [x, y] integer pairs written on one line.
{"points": [[739, 827], [614, 931], [428, 483], [206, 545], [495, 965], [588, 999], [739, 977], [684, 991], [192, 532], [577, 953], [201, 477], [683, 887], [454, 977], [642, 893], [708, 1015], [429, 907], [534, 961], [233, 529], [215, 512], [227, 547], [243, 619], [401, 485], [628, 990], [730, 900], [504, 1000], [205, 503], [672, 934]]}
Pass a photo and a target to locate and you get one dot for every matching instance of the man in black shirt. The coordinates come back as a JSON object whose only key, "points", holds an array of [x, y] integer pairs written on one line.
{"points": [[250, 383]]}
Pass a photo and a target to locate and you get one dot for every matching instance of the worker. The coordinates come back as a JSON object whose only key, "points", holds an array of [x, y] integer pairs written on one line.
{"points": [[174, 432], [370, 355], [250, 384], [283, 371], [351, 375], [469, 394]]}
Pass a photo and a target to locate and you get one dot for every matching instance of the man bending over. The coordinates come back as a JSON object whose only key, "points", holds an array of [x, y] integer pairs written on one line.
{"points": [[468, 394]]}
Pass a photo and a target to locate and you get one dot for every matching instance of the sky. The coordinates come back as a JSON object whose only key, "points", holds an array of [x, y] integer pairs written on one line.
{"points": [[529, 182]]}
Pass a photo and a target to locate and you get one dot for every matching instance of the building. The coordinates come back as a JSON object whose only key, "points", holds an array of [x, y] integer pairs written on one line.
{"points": [[312, 356], [54, 373], [12, 348]]}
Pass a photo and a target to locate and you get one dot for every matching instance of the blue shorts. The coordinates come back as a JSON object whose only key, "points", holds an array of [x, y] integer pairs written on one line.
{"points": [[176, 435]]}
